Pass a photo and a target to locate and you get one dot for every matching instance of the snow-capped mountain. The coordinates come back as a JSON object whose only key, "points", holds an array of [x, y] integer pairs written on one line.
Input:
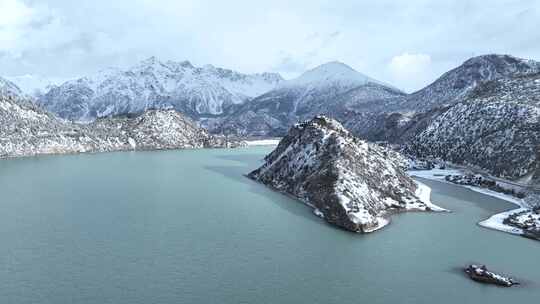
{"points": [[369, 108], [331, 74], [318, 91], [27, 130], [8, 88], [152, 84], [349, 182]]}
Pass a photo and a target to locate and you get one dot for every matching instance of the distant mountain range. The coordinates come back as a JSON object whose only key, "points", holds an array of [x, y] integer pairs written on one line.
{"points": [[332, 89], [483, 113], [152, 84], [28, 130]]}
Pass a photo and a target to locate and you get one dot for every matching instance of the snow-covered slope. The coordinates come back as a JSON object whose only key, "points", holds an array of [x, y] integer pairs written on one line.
{"points": [[152, 84], [455, 84], [27, 130], [318, 91], [366, 106], [496, 127], [331, 74], [399, 119], [352, 184], [8, 88]]}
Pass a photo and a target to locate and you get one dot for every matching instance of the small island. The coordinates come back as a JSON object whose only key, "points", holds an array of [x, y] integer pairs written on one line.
{"points": [[480, 273], [350, 183]]}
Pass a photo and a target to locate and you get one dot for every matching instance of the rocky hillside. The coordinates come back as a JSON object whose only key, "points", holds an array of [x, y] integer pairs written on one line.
{"points": [[453, 85], [352, 184], [483, 114], [333, 89], [27, 130], [152, 84], [496, 128], [397, 120]]}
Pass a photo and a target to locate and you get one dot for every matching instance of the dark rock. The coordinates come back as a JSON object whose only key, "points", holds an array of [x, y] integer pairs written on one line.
{"points": [[480, 273]]}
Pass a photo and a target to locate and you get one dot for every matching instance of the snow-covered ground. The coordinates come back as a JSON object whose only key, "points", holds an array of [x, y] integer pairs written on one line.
{"points": [[495, 221], [424, 194], [263, 142], [434, 174], [439, 175]]}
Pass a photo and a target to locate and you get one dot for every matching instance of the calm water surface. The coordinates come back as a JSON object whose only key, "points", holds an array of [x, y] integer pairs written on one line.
{"points": [[187, 227]]}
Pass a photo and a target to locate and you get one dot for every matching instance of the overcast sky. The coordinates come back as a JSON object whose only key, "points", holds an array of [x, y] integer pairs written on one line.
{"points": [[406, 43]]}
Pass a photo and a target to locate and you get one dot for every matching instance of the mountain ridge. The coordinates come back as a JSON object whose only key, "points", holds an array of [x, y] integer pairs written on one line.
{"points": [[28, 130], [310, 94], [195, 91]]}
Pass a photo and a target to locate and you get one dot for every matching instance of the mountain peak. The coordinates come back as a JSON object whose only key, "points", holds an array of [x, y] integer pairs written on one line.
{"points": [[331, 73], [503, 64], [493, 58], [155, 84], [187, 64], [335, 66], [150, 60]]}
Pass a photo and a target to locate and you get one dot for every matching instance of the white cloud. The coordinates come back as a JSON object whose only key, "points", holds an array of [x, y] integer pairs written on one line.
{"points": [[13, 13], [65, 38], [13, 16], [410, 63], [411, 70]]}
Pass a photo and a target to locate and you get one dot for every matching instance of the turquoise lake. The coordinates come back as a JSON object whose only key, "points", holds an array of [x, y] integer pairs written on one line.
{"points": [[188, 227]]}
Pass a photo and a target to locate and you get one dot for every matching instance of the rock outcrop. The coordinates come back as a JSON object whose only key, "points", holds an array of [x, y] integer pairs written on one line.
{"points": [[480, 273], [351, 183]]}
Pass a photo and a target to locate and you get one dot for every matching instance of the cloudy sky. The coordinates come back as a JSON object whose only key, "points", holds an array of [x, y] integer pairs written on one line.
{"points": [[407, 43]]}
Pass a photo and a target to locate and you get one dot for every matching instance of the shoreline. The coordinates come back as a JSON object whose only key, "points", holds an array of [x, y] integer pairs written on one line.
{"points": [[263, 142], [424, 194], [439, 175], [494, 222]]}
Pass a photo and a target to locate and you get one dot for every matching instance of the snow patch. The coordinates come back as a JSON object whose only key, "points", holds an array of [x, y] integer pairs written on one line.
{"points": [[132, 143], [263, 142], [496, 221]]}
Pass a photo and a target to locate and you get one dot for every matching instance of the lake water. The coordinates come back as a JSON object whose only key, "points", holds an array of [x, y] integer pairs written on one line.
{"points": [[188, 227]]}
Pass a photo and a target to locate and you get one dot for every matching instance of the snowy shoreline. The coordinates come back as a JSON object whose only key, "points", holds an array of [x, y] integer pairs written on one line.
{"points": [[263, 142], [496, 221], [424, 194]]}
